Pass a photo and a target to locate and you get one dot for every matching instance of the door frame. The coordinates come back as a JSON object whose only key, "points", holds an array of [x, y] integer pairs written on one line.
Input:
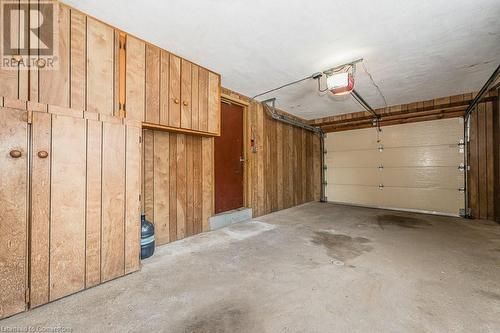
{"points": [[228, 99]]}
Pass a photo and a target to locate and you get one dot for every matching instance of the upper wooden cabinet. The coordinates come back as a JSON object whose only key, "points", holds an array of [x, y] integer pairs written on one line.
{"points": [[104, 70], [178, 93]]}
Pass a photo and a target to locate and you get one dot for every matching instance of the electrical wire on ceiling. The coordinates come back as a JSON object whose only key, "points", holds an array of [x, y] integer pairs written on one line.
{"points": [[374, 84]]}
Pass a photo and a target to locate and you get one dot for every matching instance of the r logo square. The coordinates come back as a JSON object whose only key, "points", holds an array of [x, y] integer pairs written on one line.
{"points": [[28, 34]]}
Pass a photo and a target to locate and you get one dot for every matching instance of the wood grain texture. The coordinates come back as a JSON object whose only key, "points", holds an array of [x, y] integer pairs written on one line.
{"points": [[153, 74], [148, 160], [67, 207], [481, 176], [135, 79], [100, 67], [13, 220], [207, 172], [54, 85], [203, 99], [181, 186], [113, 201], [132, 201], [174, 91], [195, 107], [186, 116], [161, 184], [93, 204], [77, 54], [213, 103], [173, 187], [189, 187], [164, 89], [40, 209]]}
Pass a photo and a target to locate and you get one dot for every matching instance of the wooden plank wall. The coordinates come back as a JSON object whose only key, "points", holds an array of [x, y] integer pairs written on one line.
{"points": [[482, 178], [285, 170], [178, 184]]}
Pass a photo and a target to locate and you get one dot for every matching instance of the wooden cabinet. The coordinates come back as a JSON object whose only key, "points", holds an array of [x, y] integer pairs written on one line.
{"points": [[79, 198], [13, 219], [179, 95]]}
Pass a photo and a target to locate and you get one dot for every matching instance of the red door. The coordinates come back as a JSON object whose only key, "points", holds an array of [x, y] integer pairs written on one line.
{"points": [[228, 160]]}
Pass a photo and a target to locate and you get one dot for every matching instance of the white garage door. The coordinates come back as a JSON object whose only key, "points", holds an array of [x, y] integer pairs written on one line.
{"points": [[414, 167]]}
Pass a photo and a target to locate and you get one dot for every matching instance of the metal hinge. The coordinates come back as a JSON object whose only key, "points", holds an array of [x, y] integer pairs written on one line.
{"points": [[380, 167], [461, 189], [380, 186], [461, 167], [461, 145], [380, 148]]}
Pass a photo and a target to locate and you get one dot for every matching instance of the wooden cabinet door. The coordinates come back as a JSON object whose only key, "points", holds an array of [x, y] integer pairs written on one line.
{"points": [[67, 206], [13, 221], [135, 78], [186, 120], [174, 92], [152, 114]]}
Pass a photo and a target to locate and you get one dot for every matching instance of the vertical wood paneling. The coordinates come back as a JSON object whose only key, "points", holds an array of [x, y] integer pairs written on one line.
{"points": [[161, 184], [195, 113], [132, 202], [113, 201], [174, 108], [100, 67], [186, 117], [93, 204], [13, 195], [148, 160], [78, 67], [173, 187], [153, 74], [279, 166], [481, 176], [189, 186], [164, 87], [67, 209], [54, 85], [181, 186], [197, 185], [135, 79], [40, 207], [207, 172], [213, 103], [203, 99]]}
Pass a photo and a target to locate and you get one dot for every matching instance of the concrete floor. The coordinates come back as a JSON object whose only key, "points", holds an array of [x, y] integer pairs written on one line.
{"points": [[313, 268]]}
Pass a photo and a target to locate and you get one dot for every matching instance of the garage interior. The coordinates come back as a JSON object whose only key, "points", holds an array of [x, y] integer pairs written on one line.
{"points": [[302, 172]]}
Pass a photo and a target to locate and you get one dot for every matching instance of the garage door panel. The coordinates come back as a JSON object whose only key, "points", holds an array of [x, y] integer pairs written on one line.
{"points": [[363, 139], [354, 194], [433, 177], [354, 176], [420, 166], [427, 133], [355, 158], [424, 199], [436, 156]]}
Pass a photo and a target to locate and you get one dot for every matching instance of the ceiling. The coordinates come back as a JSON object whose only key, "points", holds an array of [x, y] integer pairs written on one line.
{"points": [[413, 50]]}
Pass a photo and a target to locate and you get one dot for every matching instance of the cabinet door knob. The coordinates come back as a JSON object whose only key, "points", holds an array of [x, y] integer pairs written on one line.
{"points": [[176, 101], [15, 153], [42, 154], [185, 103]]}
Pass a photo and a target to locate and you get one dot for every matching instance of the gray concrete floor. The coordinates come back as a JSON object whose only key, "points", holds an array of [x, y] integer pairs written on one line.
{"points": [[312, 268]]}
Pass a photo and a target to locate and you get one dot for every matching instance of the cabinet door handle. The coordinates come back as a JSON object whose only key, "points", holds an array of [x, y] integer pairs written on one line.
{"points": [[176, 101], [42, 154], [15, 153], [185, 103]]}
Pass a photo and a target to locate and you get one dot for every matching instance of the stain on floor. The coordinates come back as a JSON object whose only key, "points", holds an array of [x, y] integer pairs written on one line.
{"points": [[219, 318], [489, 294], [342, 247], [388, 220]]}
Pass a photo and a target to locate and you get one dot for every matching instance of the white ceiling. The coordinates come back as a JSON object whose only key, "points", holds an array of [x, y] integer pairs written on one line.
{"points": [[414, 49]]}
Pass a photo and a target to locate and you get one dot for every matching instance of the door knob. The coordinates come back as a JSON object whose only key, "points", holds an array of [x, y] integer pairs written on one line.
{"points": [[176, 101], [15, 153], [185, 103], [42, 154]]}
